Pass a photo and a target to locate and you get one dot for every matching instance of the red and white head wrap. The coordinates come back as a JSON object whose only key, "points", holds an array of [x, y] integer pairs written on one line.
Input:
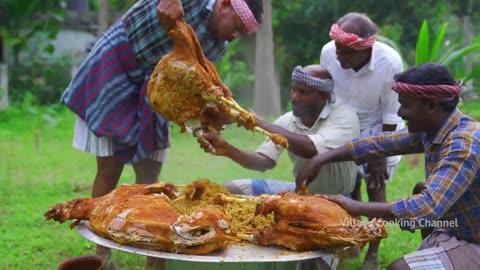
{"points": [[351, 40], [440, 92], [246, 16]]}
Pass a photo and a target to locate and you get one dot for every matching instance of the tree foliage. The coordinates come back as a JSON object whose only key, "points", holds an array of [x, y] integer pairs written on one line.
{"points": [[301, 26], [21, 20], [433, 49]]}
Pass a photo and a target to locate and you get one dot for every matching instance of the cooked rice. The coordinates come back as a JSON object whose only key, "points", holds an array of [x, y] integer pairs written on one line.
{"points": [[241, 215]]}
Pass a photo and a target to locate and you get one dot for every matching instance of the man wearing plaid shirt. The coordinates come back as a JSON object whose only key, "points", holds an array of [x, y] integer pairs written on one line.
{"points": [[428, 98], [108, 94]]}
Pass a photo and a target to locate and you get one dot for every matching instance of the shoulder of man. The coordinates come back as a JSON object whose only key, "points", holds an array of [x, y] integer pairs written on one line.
{"points": [[330, 46], [191, 4], [467, 126], [390, 58], [284, 118], [387, 51], [327, 54]]}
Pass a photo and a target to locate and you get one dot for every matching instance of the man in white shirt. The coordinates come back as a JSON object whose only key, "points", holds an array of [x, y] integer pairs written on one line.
{"points": [[363, 69], [313, 126]]}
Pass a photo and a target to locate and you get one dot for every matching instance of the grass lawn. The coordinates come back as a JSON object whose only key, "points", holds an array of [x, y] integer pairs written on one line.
{"points": [[38, 168]]}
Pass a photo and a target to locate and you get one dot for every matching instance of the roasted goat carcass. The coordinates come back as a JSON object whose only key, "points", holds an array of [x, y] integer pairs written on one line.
{"points": [[185, 81], [311, 222], [204, 217], [137, 215]]}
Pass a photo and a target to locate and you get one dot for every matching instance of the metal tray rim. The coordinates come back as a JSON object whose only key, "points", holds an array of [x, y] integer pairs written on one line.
{"points": [[234, 253]]}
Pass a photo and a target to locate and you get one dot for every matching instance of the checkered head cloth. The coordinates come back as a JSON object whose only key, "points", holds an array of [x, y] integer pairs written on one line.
{"points": [[440, 92], [351, 40], [246, 16], [322, 85]]}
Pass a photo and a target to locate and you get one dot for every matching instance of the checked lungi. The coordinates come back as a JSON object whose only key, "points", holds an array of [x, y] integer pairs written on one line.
{"points": [[443, 251], [109, 94]]}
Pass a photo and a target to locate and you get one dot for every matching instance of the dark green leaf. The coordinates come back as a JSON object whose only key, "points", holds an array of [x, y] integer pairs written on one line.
{"points": [[422, 50], [459, 54], [474, 74], [438, 42]]}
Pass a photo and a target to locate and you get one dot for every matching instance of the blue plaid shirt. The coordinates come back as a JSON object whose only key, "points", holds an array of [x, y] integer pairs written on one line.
{"points": [[452, 162], [149, 40]]}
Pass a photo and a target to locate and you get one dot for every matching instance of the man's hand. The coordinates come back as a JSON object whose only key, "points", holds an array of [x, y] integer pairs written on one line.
{"points": [[169, 11], [214, 117], [350, 205], [377, 173], [213, 143], [308, 173]]}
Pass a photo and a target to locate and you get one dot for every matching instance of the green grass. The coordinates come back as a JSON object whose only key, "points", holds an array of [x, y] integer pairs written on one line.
{"points": [[38, 168]]}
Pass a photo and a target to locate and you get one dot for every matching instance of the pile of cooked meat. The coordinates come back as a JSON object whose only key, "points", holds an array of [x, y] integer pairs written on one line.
{"points": [[185, 82], [203, 217]]}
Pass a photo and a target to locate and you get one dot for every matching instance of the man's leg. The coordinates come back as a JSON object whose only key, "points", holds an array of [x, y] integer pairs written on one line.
{"points": [[234, 187], [109, 170], [255, 187], [419, 187], [357, 191], [399, 264], [371, 258], [147, 171]]}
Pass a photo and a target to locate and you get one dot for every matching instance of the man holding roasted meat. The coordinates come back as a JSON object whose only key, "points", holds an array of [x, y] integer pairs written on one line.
{"points": [[108, 94]]}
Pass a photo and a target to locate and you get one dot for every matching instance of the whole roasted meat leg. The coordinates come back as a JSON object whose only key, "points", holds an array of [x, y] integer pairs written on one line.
{"points": [[185, 81]]}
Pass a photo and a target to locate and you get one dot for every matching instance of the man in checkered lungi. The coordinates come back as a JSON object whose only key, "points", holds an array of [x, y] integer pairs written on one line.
{"points": [[450, 200], [108, 94]]}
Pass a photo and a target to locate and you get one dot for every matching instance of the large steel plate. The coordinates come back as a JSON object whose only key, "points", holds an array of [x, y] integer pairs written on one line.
{"points": [[234, 253]]}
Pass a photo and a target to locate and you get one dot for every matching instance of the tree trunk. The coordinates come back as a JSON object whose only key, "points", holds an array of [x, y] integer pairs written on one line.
{"points": [[267, 91], [102, 18], [3, 87], [468, 34], [244, 92], [2, 58]]}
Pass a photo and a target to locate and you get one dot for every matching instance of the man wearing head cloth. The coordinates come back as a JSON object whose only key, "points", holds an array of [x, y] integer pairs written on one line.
{"points": [[450, 200], [314, 126], [108, 94], [363, 69]]}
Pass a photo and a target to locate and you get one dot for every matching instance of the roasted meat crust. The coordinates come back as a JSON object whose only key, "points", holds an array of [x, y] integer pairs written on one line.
{"points": [[311, 222], [185, 81], [136, 215], [203, 217]]}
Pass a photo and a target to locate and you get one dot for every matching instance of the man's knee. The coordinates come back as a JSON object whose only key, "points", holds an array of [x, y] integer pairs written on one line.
{"points": [[399, 264], [419, 187], [233, 188]]}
